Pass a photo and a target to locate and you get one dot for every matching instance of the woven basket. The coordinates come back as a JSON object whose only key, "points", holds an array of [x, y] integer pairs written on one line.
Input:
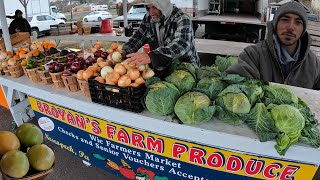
{"points": [[1, 72], [38, 176], [33, 75], [56, 76], [84, 86], [16, 74], [6, 72], [43, 74], [25, 71], [58, 84], [14, 68], [70, 82], [41, 62], [47, 80], [4, 68]]}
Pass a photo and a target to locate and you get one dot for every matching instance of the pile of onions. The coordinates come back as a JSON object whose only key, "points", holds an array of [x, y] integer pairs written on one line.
{"points": [[123, 74]]}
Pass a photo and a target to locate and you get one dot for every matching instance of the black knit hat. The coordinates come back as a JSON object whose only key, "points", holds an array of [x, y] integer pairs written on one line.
{"points": [[294, 8], [18, 12]]}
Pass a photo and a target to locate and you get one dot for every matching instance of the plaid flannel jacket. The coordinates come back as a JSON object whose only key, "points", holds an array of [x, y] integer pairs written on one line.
{"points": [[178, 39]]}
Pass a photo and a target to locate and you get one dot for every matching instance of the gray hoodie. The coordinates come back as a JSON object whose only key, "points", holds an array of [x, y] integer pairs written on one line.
{"points": [[164, 6], [261, 61]]}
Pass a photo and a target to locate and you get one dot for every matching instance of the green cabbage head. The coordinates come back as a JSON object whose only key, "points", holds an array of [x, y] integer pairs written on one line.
{"points": [[161, 98], [235, 102], [183, 80], [211, 86], [290, 122], [194, 107]]}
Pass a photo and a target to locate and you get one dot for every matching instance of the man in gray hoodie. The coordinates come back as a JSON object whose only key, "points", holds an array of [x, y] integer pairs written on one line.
{"points": [[285, 56], [169, 33]]}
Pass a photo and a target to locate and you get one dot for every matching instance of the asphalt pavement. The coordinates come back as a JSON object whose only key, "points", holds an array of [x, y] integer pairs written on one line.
{"points": [[68, 166]]}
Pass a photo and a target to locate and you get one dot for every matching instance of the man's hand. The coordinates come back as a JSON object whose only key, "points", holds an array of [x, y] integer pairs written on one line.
{"points": [[138, 59]]}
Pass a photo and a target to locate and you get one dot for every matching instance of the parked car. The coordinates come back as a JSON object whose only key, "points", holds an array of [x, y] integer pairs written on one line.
{"points": [[97, 16], [40, 24], [103, 7], [135, 16], [312, 17]]}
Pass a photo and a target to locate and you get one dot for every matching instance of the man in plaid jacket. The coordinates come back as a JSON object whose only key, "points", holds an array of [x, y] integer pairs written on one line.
{"points": [[169, 33]]}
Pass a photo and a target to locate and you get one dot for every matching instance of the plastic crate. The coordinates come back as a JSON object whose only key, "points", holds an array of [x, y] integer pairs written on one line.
{"points": [[128, 98]]}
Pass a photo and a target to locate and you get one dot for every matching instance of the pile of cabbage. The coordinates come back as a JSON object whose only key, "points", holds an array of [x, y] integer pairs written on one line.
{"points": [[197, 94]]}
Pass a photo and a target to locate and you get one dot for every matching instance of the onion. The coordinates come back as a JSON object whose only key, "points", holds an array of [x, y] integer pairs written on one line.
{"points": [[119, 68], [109, 58], [124, 81], [23, 56], [110, 82], [113, 76], [134, 84], [141, 68], [103, 64], [80, 74], [29, 56], [100, 79], [100, 59], [94, 68], [93, 50], [140, 80], [87, 74], [115, 90], [147, 74], [110, 51], [119, 48], [106, 70], [3, 55], [11, 62], [116, 57], [109, 62], [4, 63], [128, 65], [133, 74]]}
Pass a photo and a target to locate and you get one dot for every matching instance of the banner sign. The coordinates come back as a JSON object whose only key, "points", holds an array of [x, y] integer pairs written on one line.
{"points": [[141, 155]]}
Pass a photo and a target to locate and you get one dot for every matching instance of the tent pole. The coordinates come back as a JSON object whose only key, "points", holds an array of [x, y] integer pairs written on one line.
{"points": [[5, 30], [125, 13]]}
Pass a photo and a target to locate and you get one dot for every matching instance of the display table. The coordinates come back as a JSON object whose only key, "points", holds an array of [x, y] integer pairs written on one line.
{"points": [[208, 46], [101, 134]]}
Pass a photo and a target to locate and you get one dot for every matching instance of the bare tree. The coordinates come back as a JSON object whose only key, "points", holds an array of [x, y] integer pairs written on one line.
{"points": [[25, 4]]}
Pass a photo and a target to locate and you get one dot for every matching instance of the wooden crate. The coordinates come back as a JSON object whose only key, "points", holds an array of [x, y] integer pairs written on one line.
{"points": [[16, 39], [61, 29]]}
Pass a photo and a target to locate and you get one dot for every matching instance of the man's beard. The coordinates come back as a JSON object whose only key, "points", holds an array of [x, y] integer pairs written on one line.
{"points": [[155, 19]]}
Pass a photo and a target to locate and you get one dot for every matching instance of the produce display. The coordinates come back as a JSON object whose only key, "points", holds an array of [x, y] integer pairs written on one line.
{"points": [[272, 111], [23, 154], [190, 94]]}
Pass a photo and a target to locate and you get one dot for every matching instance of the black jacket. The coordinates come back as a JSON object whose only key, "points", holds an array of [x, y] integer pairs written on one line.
{"points": [[22, 24]]}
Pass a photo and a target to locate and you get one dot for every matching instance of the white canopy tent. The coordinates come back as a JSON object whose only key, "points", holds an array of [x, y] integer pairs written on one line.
{"points": [[5, 30]]}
